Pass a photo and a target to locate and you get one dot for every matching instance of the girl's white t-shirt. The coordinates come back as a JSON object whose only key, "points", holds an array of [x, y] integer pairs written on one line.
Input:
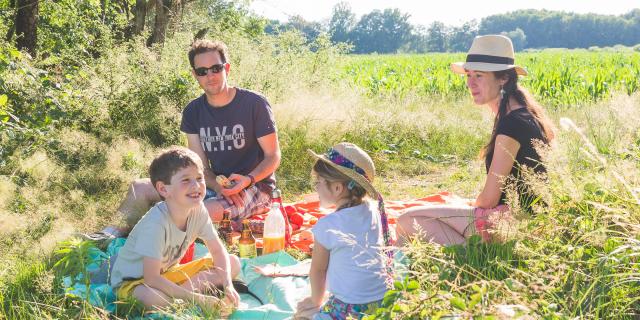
{"points": [[357, 268]]}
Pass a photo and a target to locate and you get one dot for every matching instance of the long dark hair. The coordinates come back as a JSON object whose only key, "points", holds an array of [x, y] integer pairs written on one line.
{"points": [[524, 98]]}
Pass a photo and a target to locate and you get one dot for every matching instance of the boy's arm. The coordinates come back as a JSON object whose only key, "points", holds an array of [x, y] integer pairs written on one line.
{"points": [[221, 260], [151, 271]]}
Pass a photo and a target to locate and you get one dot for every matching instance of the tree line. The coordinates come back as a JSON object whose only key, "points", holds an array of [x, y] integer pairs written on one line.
{"points": [[84, 26], [389, 31]]}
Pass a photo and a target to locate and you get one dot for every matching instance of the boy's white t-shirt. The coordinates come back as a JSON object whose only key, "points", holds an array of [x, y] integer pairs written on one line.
{"points": [[156, 236], [357, 269]]}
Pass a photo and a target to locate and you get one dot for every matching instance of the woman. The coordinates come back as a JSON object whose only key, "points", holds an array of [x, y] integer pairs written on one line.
{"points": [[492, 79]]}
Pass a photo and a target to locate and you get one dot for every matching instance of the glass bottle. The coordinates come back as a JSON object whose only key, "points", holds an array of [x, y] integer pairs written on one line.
{"points": [[224, 231], [247, 243]]}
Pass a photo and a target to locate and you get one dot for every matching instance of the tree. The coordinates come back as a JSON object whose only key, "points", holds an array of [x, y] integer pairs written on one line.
{"points": [[518, 38], [163, 13], [341, 23], [140, 16], [311, 30], [544, 28], [26, 25], [382, 31], [437, 37], [418, 41], [461, 37]]}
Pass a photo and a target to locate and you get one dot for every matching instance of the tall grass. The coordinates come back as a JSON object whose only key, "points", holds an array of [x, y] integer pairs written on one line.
{"points": [[577, 257]]}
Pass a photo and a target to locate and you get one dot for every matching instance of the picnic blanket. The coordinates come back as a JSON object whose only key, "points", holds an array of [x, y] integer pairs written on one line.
{"points": [[279, 294], [309, 207]]}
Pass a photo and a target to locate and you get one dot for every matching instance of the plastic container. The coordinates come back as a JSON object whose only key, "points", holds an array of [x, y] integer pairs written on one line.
{"points": [[276, 196], [274, 226]]}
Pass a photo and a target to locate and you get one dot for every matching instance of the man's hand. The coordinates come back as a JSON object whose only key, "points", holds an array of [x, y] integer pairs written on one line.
{"points": [[239, 182], [235, 194]]}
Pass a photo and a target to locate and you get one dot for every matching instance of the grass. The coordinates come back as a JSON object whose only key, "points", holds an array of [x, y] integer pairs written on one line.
{"points": [[576, 258]]}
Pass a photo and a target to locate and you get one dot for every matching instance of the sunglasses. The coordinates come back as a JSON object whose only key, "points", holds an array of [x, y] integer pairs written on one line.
{"points": [[202, 71]]}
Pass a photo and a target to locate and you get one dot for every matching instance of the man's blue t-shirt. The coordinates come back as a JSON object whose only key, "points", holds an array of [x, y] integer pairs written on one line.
{"points": [[229, 134]]}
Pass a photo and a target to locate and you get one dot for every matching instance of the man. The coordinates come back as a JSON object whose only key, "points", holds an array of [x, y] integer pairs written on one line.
{"points": [[233, 131]]}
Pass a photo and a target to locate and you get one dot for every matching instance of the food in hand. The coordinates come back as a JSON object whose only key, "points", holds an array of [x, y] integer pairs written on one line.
{"points": [[224, 181]]}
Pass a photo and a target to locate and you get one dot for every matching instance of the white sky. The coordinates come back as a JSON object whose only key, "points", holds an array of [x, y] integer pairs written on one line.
{"points": [[451, 12]]}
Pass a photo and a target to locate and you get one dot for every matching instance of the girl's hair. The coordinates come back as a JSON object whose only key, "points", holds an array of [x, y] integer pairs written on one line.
{"points": [[513, 89], [356, 194]]}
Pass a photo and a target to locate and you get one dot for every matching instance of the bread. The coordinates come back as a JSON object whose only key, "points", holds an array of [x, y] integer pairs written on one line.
{"points": [[224, 181]]}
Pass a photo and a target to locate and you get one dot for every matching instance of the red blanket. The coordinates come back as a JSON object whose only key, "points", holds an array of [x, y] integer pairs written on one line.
{"points": [[310, 210]]}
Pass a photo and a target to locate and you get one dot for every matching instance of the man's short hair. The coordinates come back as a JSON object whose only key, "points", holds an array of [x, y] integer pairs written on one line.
{"points": [[201, 46], [170, 161]]}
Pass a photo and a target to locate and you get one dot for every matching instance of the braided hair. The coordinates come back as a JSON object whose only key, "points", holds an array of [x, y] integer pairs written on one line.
{"points": [[523, 97]]}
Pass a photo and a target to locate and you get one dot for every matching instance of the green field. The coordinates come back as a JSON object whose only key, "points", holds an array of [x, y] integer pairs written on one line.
{"points": [[556, 77], [74, 136]]}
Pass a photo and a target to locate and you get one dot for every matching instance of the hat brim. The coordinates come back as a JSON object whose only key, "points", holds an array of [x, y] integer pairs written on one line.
{"points": [[358, 178], [462, 67]]}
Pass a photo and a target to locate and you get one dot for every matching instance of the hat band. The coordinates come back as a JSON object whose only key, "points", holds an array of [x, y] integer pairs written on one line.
{"points": [[335, 157], [489, 59]]}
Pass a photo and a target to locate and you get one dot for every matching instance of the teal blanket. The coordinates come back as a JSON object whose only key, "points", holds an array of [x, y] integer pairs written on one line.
{"points": [[280, 295]]}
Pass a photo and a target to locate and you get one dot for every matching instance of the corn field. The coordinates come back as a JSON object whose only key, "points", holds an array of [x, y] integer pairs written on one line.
{"points": [[557, 77]]}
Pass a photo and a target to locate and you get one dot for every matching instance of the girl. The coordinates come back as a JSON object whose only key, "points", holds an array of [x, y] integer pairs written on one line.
{"points": [[349, 244], [492, 79]]}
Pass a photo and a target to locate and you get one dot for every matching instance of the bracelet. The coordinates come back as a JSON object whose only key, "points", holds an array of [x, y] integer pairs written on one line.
{"points": [[253, 181]]}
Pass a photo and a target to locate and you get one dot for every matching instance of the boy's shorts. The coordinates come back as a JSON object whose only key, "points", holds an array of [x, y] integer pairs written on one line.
{"points": [[256, 201], [177, 274]]}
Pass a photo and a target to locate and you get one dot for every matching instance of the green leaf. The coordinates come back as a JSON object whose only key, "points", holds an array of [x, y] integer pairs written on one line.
{"points": [[3, 100], [14, 53], [475, 298], [458, 303], [390, 298], [413, 285], [398, 285]]}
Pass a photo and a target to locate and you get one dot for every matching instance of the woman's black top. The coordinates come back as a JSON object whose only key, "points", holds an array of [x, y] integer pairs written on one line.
{"points": [[520, 125]]}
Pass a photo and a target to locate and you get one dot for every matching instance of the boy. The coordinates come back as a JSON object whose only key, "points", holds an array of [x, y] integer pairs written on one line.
{"points": [[147, 265]]}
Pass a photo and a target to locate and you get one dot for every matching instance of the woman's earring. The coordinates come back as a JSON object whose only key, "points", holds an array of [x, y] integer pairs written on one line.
{"points": [[502, 92]]}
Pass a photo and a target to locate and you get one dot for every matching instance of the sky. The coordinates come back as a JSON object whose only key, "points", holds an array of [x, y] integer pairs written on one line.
{"points": [[451, 12]]}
